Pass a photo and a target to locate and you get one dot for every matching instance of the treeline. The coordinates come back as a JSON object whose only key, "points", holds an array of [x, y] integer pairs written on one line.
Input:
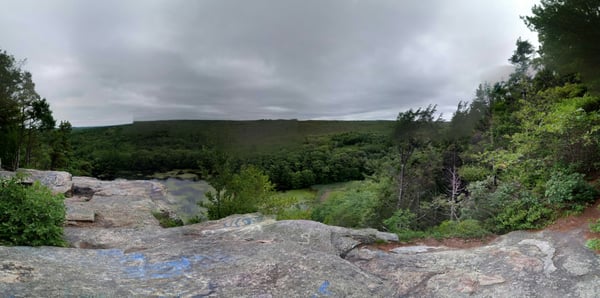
{"points": [[339, 158], [28, 133], [301, 155]]}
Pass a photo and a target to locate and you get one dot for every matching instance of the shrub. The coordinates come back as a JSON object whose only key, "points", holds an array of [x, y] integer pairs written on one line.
{"points": [[196, 219], [292, 204], [166, 220], [569, 189], [593, 244], [409, 235], [505, 208], [472, 173], [402, 221], [469, 228], [595, 227], [354, 207], [30, 215], [523, 213], [486, 200]]}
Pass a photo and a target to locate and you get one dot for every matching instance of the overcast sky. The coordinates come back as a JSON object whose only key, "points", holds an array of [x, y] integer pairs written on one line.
{"points": [[112, 62]]}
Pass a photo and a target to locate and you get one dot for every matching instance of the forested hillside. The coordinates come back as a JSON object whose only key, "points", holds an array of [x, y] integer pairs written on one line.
{"points": [[295, 154]]}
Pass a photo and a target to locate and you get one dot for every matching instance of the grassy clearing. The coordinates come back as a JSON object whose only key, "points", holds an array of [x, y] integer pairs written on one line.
{"points": [[324, 191], [291, 204]]}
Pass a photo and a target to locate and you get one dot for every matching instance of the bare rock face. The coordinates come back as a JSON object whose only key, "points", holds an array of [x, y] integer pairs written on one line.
{"points": [[58, 182], [120, 203], [125, 253]]}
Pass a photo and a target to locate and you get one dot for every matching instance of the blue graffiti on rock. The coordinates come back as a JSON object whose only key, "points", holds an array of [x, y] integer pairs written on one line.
{"points": [[138, 266]]}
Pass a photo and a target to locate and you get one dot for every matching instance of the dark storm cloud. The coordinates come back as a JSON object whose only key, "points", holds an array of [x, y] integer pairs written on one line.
{"points": [[103, 62]]}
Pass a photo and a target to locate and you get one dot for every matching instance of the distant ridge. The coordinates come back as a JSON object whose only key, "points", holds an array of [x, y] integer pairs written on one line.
{"points": [[236, 136]]}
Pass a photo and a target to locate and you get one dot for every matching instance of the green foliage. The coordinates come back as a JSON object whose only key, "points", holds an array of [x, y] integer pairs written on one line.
{"points": [[567, 31], [194, 220], [165, 220], [469, 228], [25, 117], [354, 207], [238, 193], [411, 235], [294, 154], [30, 215], [484, 200], [595, 227], [569, 189], [522, 214], [61, 146], [473, 173], [402, 221], [293, 204], [505, 207], [593, 244]]}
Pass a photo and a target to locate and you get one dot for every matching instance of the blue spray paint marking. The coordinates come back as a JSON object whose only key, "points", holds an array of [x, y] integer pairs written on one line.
{"points": [[110, 252], [167, 269], [137, 266], [323, 288]]}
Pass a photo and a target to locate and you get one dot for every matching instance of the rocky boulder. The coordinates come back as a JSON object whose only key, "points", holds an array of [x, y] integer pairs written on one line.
{"points": [[119, 203], [58, 182]]}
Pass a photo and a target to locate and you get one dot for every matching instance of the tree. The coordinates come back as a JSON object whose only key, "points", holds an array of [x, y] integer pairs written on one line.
{"points": [[235, 193], [454, 185], [218, 174], [23, 113], [569, 32], [522, 57], [61, 146], [414, 130]]}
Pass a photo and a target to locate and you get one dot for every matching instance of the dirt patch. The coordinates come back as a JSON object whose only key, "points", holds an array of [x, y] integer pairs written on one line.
{"points": [[578, 223]]}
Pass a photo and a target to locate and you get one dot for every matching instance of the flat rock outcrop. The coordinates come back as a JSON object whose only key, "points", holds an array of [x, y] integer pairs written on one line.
{"points": [[58, 182], [253, 255]]}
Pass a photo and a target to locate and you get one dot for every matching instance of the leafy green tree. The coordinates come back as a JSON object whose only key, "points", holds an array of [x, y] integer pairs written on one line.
{"points": [[61, 146], [218, 175], [24, 113], [414, 131], [237, 193], [569, 32], [402, 221]]}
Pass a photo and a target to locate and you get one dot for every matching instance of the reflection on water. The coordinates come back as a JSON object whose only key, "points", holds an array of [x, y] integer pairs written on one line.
{"points": [[184, 196]]}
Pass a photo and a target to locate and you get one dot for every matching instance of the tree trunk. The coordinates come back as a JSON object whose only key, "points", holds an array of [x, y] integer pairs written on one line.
{"points": [[28, 148], [401, 186]]}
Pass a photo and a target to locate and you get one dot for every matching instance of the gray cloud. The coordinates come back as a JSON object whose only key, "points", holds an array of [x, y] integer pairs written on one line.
{"points": [[108, 62]]}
